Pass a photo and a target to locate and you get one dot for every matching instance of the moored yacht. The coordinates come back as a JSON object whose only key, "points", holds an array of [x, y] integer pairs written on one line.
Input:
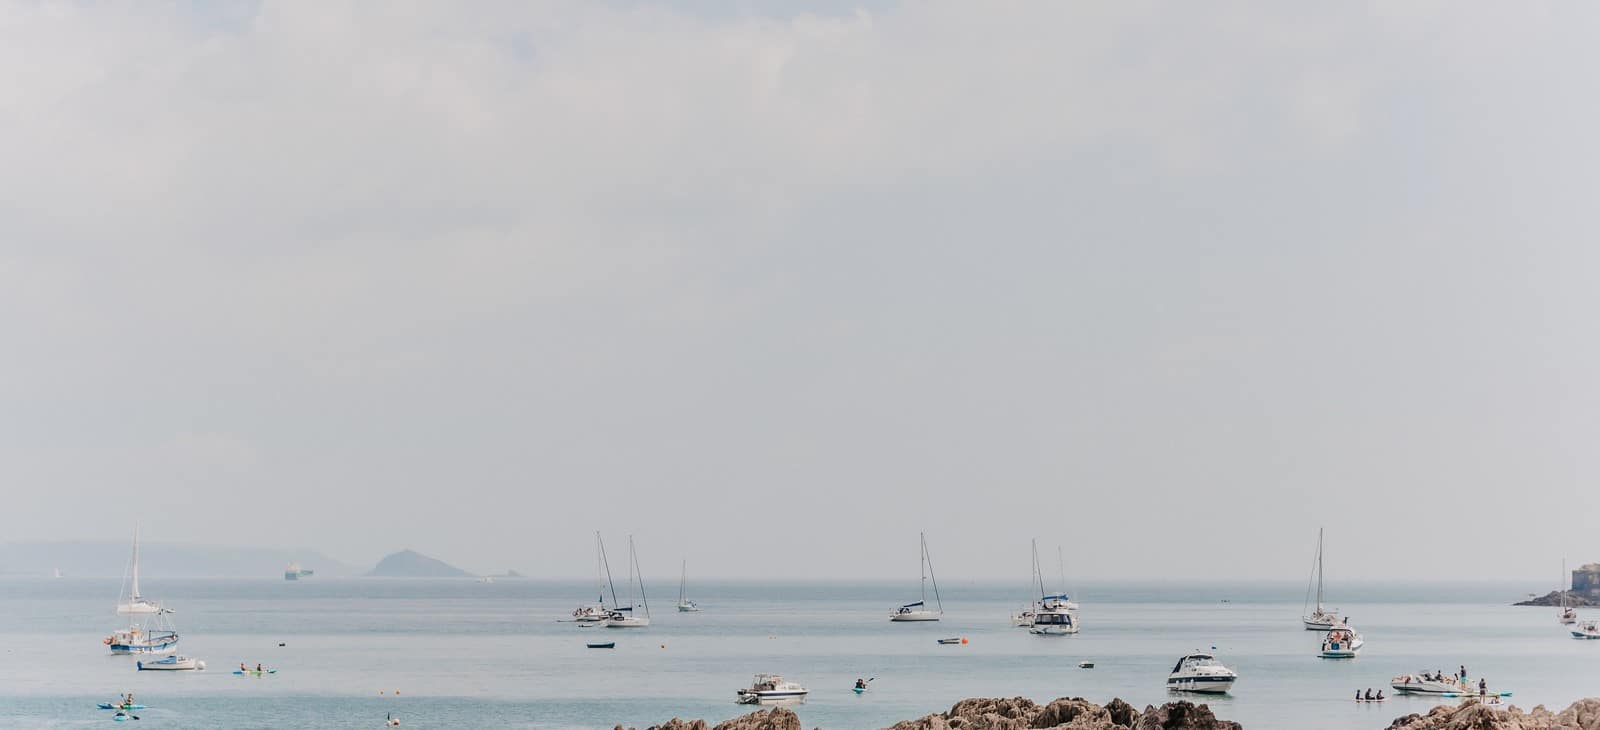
{"points": [[1200, 672], [684, 604], [136, 603], [1053, 615], [624, 617], [597, 611], [1567, 615], [1426, 683], [771, 689], [138, 639], [1586, 630], [1342, 642], [1319, 618], [918, 610]]}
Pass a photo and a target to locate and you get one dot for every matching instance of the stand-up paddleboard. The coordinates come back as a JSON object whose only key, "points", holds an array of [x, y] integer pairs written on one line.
{"points": [[1375, 699], [1475, 694]]}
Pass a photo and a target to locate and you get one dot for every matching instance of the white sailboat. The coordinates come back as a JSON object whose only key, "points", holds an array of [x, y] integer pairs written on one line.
{"points": [[1320, 619], [684, 604], [1568, 614], [136, 602], [918, 610], [596, 611], [624, 617]]}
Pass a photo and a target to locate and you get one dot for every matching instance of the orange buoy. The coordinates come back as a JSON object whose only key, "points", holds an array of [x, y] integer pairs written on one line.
{"points": [[963, 639]]}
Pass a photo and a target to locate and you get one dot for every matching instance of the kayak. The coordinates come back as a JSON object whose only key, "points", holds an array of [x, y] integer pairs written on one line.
{"points": [[956, 640], [256, 672], [858, 690], [602, 645], [109, 706]]}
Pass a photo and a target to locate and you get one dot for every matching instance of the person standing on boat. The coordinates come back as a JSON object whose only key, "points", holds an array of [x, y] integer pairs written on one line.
{"points": [[1483, 686]]}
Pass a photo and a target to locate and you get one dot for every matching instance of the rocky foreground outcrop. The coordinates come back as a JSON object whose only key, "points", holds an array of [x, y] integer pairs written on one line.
{"points": [[776, 718], [1075, 713], [1582, 715], [1017, 713]]}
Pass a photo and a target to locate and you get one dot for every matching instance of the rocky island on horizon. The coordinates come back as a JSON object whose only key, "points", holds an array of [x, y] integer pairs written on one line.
{"points": [[412, 564]]}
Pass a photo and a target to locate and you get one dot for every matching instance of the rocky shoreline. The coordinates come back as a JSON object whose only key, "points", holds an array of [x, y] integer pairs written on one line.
{"points": [[1580, 715], [1553, 598], [999, 713], [1076, 713]]}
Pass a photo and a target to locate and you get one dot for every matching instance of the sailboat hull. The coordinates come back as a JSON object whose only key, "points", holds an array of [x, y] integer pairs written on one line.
{"points": [[916, 616], [1318, 625], [626, 622]]}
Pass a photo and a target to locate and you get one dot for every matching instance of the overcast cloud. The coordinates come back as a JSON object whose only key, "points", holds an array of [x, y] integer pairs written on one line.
{"points": [[775, 291]]}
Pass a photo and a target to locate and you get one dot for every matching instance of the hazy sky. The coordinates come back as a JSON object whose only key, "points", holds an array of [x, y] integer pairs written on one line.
{"points": [[1171, 284]]}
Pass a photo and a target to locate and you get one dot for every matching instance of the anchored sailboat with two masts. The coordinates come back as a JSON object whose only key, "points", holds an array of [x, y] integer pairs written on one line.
{"points": [[625, 617]]}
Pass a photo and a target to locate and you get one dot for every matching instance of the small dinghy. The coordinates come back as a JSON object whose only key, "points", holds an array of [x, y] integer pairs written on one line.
{"points": [[1587, 630], [601, 645], [175, 663], [954, 640], [1086, 665]]}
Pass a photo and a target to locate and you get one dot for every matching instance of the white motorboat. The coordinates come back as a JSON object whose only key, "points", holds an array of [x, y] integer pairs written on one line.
{"points": [[1053, 615], [1342, 642], [771, 689], [684, 604], [1022, 618], [1319, 618], [177, 663], [1426, 683], [918, 610], [1586, 630], [136, 603], [1200, 672], [624, 617]]}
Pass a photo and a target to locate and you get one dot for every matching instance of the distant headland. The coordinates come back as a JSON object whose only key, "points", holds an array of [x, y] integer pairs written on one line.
{"points": [[1585, 590]]}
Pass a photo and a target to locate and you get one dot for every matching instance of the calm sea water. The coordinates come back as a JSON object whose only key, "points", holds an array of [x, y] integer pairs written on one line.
{"points": [[448, 653]]}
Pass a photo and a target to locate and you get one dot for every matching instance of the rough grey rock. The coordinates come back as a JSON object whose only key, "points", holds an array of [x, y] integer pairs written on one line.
{"points": [[1074, 713], [777, 718], [1581, 715]]}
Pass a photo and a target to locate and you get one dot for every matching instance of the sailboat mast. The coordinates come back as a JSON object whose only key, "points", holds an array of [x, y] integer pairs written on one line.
{"points": [[640, 572], [1061, 565], [1038, 573], [135, 596], [929, 559], [1319, 570], [922, 566], [606, 566]]}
